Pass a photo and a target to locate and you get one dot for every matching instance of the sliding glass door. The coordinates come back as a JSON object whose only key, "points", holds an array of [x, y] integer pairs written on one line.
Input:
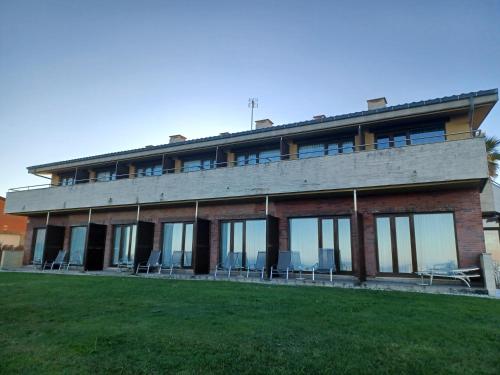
{"points": [[308, 235], [246, 237], [39, 244], [177, 237], [78, 238], [124, 244], [408, 243]]}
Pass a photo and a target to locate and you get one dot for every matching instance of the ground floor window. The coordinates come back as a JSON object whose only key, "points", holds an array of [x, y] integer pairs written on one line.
{"points": [[78, 238], [124, 243], [492, 243], [415, 242], [308, 235], [246, 237], [39, 244], [177, 237]]}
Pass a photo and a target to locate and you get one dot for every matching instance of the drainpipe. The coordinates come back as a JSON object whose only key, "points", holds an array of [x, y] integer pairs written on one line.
{"points": [[138, 212], [90, 215], [196, 211], [471, 115], [267, 205], [48, 217]]}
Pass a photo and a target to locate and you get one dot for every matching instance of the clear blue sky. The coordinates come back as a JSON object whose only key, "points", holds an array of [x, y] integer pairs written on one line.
{"points": [[79, 78]]}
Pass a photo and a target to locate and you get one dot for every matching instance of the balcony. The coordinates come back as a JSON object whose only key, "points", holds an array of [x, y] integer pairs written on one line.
{"points": [[457, 160]]}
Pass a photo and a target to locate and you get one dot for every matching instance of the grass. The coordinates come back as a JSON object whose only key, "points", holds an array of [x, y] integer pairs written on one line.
{"points": [[78, 324]]}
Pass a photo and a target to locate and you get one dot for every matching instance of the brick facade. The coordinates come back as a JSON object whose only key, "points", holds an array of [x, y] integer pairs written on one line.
{"points": [[463, 202]]}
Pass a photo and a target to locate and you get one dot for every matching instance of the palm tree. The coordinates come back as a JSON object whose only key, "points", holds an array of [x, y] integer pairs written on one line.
{"points": [[493, 156]]}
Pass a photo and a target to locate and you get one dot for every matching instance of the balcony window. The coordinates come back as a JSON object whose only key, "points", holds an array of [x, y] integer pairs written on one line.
{"points": [[107, 175], [307, 235], [177, 237], [269, 156], [124, 244], [150, 170], [419, 137], [246, 237], [347, 147], [198, 165], [411, 137], [311, 151], [67, 179], [407, 243], [78, 237]]}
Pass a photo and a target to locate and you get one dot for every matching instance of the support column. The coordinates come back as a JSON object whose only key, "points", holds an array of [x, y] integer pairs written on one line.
{"points": [[358, 243]]}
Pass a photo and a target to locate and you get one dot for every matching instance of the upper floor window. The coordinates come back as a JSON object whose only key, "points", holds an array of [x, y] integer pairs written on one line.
{"points": [[149, 170], [67, 180], [106, 175], [410, 137], [198, 165], [266, 156], [344, 146]]}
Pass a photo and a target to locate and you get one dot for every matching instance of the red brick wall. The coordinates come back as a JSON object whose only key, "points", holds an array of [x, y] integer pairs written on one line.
{"points": [[464, 203], [11, 223]]}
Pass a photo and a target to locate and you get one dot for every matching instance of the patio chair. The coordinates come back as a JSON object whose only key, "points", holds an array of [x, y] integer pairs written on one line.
{"points": [[152, 262], [58, 261], [125, 264], [231, 263], [288, 261], [326, 263], [175, 262], [449, 271], [259, 265]]}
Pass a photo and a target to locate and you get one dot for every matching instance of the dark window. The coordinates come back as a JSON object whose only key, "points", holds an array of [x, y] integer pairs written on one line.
{"points": [[246, 237], [177, 237], [415, 242], [124, 243], [67, 179], [307, 235]]}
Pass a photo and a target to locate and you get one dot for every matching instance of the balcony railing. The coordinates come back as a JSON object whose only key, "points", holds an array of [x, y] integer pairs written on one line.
{"points": [[367, 147]]}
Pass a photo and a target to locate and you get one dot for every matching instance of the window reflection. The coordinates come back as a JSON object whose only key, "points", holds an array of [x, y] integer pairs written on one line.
{"points": [[418, 137], [304, 239], [384, 244], [345, 254], [403, 244], [435, 240], [246, 237], [177, 237], [77, 245], [311, 151], [124, 244], [39, 245]]}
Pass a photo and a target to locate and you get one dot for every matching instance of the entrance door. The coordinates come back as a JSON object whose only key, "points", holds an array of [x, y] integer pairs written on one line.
{"points": [[96, 242], [78, 238], [247, 238]]}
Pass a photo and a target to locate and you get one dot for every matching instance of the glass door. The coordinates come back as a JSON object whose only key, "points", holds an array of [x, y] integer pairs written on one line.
{"points": [[124, 244], [246, 237], [177, 237], [77, 245], [39, 245]]}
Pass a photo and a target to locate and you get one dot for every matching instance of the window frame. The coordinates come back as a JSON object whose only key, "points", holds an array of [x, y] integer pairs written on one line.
{"points": [[410, 215], [407, 133], [339, 141], [183, 243], [201, 165], [84, 244], [257, 151], [115, 226], [231, 237], [33, 241], [335, 219]]}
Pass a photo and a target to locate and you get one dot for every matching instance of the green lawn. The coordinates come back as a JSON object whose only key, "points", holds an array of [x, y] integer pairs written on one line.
{"points": [[78, 324]]}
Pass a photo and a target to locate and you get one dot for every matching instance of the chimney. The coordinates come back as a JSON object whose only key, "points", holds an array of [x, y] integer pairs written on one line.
{"points": [[177, 138], [319, 117], [376, 103], [261, 124]]}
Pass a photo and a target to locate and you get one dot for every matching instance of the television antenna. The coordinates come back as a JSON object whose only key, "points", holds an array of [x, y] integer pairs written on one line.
{"points": [[252, 103]]}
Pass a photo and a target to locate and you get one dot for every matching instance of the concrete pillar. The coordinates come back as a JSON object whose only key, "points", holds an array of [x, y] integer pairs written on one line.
{"points": [[293, 150], [54, 180], [369, 140], [178, 165], [488, 273], [92, 175], [230, 159], [131, 171]]}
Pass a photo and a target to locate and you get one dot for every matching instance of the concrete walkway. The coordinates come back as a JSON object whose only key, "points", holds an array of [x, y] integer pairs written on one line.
{"points": [[339, 281]]}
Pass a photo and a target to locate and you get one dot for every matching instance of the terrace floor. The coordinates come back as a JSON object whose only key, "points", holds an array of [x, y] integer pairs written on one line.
{"points": [[53, 323]]}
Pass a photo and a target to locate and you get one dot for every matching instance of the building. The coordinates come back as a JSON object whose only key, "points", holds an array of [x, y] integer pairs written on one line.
{"points": [[393, 189], [12, 228]]}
